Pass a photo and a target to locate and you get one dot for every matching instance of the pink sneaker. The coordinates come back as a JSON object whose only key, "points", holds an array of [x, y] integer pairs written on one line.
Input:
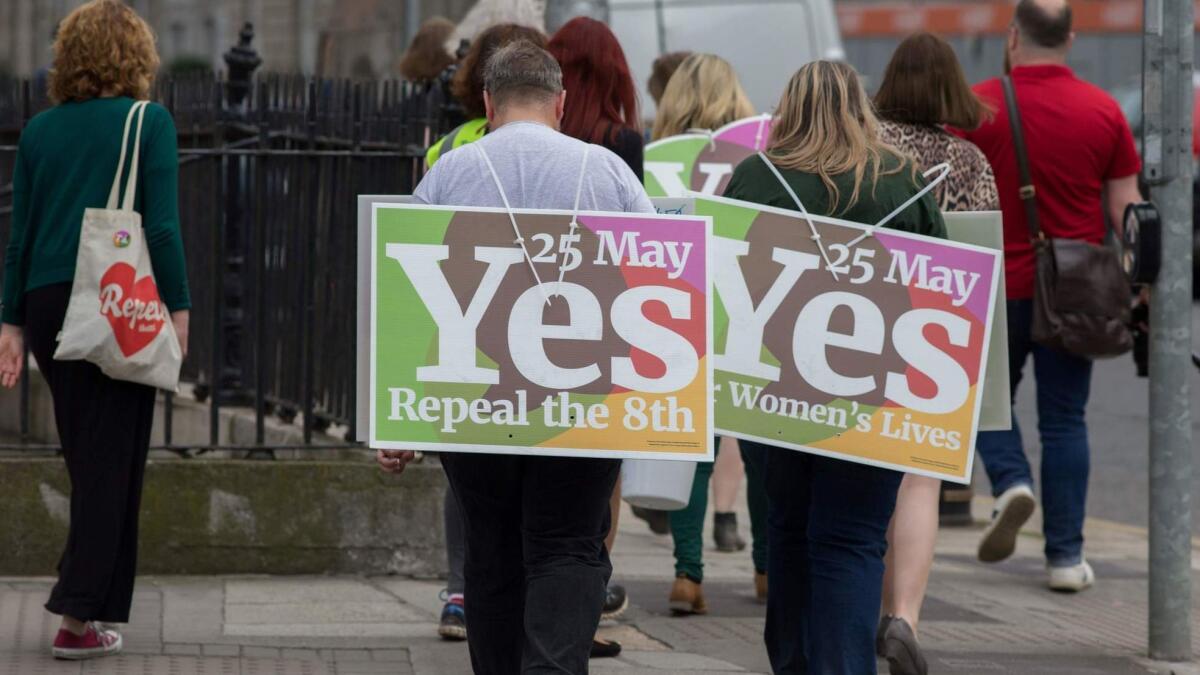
{"points": [[94, 642]]}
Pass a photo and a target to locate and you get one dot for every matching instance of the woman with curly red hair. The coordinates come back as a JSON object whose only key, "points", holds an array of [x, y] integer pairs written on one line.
{"points": [[601, 98], [104, 63]]}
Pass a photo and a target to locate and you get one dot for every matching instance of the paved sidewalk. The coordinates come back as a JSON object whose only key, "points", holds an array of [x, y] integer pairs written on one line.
{"points": [[978, 619]]}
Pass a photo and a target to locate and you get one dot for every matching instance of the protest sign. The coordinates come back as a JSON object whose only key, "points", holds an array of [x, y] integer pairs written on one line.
{"points": [[702, 162], [592, 342], [362, 354], [986, 228], [981, 228], [880, 365]]}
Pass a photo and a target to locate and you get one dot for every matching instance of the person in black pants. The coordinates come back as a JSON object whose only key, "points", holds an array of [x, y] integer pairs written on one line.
{"points": [[537, 564], [105, 60], [827, 518], [104, 427]]}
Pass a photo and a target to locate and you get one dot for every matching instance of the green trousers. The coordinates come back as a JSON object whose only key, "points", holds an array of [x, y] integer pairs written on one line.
{"points": [[687, 525]]}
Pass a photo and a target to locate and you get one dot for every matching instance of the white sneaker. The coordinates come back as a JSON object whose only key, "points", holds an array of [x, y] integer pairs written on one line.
{"points": [[1013, 508], [1071, 579]]}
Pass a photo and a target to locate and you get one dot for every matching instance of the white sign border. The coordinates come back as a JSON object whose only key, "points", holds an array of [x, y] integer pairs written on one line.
{"points": [[997, 260], [373, 441]]}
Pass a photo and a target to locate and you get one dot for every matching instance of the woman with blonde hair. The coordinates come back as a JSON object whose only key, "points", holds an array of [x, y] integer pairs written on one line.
{"points": [[703, 93], [828, 518], [104, 63]]}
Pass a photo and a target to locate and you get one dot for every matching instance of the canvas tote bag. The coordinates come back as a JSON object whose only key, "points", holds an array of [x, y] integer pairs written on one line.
{"points": [[115, 318]]}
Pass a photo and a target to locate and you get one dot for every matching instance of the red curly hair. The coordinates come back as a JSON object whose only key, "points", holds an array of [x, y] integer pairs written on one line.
{"points": [[601, 98], [103, 48]]}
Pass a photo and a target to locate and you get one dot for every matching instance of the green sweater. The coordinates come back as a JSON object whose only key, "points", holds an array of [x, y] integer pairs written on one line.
{"points": [[65, 164], [752, 181]]}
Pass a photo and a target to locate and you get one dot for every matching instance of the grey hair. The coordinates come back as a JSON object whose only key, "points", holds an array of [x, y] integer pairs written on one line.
{"points": [[523, 71]]}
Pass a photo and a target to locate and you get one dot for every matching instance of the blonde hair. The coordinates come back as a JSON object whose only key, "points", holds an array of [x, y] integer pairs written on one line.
{"points": [[103, 48], [826, 126], [703, 93]]}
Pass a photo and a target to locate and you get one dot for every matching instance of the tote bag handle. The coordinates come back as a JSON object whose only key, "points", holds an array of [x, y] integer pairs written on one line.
{"points": [[139, 109]]}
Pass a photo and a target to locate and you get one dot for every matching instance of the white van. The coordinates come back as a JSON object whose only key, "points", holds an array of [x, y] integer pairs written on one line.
{"points": [[765, 40]]}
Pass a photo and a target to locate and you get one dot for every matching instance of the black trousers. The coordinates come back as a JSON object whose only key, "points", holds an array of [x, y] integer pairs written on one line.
{"points": [[104, 426], [536, 566]]}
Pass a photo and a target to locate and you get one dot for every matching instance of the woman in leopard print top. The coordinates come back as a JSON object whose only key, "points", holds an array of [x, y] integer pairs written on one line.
{"points": [[970, 185], [924, 91]]}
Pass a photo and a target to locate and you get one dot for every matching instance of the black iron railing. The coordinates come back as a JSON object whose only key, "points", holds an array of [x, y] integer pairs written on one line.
{"points": [[269, 172]]}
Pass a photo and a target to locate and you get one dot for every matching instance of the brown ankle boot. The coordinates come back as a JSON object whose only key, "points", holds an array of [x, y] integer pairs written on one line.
{"points": [[687, 597], [760, 585]]}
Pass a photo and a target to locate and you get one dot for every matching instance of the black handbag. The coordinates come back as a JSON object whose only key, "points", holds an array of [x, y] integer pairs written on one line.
{"points": [[1081, 295]]}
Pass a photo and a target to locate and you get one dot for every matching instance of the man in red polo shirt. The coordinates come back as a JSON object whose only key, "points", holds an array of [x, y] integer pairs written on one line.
{"points": [[1084, 164]]}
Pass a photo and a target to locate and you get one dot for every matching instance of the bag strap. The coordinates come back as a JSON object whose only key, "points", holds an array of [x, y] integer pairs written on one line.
{"points": [[1028, 192], [138, 109]]}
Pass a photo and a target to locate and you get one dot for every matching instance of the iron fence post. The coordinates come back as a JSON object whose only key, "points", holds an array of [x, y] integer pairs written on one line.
{"points": [[271, 158], [231, 381], [1167, 99]]}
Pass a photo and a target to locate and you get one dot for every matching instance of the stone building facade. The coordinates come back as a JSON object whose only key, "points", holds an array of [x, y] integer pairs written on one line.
{"points": [[362, 38]]}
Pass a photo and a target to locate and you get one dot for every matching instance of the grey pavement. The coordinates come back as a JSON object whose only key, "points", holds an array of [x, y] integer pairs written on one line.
{"points": [[978, 619], [1119, 435]]}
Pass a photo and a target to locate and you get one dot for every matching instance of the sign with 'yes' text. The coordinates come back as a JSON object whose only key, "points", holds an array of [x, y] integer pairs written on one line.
{"points": [[592, 341], [676, 166], [872, 351]]}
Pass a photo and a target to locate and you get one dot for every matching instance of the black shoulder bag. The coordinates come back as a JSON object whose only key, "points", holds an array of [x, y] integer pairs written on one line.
{"points": [[1080, 296]]}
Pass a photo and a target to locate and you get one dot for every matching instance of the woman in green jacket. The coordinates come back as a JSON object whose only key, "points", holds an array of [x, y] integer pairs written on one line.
{"points": [[104, 61], [828, 518]]}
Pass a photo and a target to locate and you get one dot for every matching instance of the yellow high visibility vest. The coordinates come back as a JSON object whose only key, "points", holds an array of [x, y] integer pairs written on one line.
{"points": [[468, 132]]}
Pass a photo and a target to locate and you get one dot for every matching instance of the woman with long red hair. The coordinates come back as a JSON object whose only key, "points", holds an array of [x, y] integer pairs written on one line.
{"points": [[601, 108], [601, 98]]}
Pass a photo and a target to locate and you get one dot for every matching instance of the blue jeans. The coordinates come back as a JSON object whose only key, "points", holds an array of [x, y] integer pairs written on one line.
{"points": [[827, 527], [1063, 382]]}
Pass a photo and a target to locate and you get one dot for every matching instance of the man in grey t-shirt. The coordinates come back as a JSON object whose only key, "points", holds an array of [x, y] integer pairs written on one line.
{"points": [[538, 167], [536, 565]]}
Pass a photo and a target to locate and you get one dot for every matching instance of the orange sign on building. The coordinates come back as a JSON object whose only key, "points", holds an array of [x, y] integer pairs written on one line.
{"points": [[870, 19]]}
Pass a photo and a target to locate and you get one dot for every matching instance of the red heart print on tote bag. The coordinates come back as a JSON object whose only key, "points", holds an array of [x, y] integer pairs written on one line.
{"points": [[116, 318], [132, 307]]}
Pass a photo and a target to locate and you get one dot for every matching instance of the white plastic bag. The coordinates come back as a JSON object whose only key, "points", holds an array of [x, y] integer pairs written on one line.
{"points": [[115, 318], [657, 484]]}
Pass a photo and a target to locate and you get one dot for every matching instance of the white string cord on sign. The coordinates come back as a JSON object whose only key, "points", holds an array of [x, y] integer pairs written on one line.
{"points": [[759, 140], [520, 241], [943, 170], [816, 237], [562, 269]]}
